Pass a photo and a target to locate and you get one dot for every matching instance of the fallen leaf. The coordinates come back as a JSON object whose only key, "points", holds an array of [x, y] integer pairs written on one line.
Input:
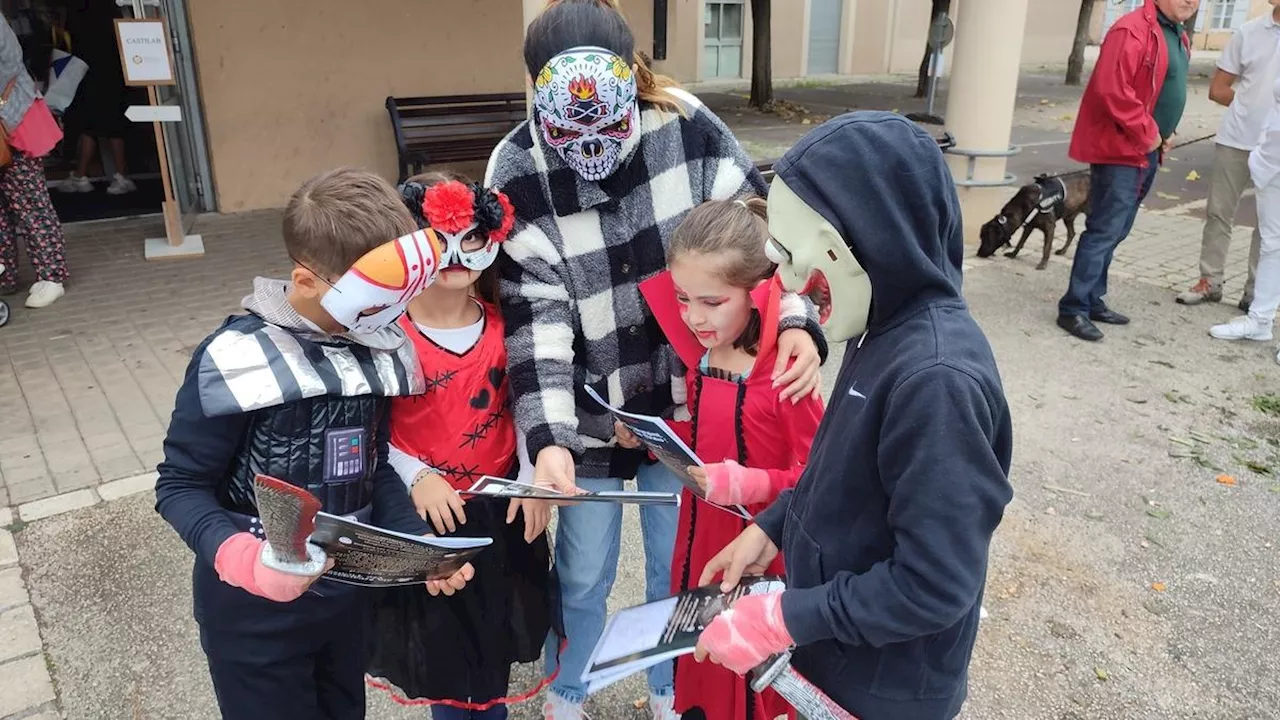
{"points": [[1151, 538], [1044, 101], [1193, 176], [1165, 363], [639, 704], [1159, 513], [1164, 169], [1158, 586], [1168, 196], [1226, 480], [1102, 673], [1067, 118], [1275, 488]]}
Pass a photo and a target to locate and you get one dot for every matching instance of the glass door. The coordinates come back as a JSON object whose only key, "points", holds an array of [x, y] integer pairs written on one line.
{"points": [[185, 146]]}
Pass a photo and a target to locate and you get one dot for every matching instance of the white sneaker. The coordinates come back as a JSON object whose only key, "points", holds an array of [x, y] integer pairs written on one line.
{"points": [[1242, 328], [75, 184], [43, 293], [663, 707], [121, 185], [558, 707]]}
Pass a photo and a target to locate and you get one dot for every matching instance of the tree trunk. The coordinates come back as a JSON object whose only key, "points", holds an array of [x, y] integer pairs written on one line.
{"points": [[940, 7], [1075, 63], [761, 58]]}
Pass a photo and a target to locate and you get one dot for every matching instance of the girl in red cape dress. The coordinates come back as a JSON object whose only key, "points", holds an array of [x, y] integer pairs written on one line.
{"points": [[454, 654], [718, 306]]}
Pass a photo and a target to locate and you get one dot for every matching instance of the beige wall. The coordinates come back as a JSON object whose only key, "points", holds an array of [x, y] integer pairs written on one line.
{"points": [[291, 87], [890, 35]]}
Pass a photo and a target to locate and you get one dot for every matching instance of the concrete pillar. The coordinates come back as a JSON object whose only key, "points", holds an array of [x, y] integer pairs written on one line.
{"points": [[983, 87]]}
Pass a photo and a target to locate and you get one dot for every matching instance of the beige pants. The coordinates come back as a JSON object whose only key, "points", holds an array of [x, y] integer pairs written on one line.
{"points": [[1228, 179]]}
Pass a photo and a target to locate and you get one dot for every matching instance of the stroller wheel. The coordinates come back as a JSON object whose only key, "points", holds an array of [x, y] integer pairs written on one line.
{"points": [[4, 313]]}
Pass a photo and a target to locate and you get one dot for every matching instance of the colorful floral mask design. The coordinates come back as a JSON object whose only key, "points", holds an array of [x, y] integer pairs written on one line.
{"points": [[585, 100], [470, 219]]}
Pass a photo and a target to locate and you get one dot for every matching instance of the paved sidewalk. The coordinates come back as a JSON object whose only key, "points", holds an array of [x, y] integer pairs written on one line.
{"points": [[1163, 250], [87, 384]]}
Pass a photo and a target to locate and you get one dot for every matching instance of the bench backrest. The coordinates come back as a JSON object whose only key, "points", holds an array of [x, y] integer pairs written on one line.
{"points": [[424, 121]]}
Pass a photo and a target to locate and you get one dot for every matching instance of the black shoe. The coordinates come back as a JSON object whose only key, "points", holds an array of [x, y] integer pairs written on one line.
{"points": [[1080, 326], [1244, 304], [1108, 316]]}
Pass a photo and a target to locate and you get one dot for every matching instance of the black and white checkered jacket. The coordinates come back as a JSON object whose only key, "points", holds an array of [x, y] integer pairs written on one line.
{"points": [[570, 272]]}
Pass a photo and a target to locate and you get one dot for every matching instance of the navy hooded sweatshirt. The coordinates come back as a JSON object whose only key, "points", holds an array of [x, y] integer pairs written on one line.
{"points": [[886, 536]]}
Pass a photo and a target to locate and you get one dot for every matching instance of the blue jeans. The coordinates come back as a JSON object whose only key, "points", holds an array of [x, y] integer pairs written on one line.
{"points": [[447, 712], [1115, 193], [588, 540]]}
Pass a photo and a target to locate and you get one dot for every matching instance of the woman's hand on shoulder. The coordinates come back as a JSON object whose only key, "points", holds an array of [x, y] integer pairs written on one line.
{"points": [[804, 377]]}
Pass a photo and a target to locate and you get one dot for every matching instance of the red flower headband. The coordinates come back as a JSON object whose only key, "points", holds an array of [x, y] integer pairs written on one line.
{"points": [[453, 207]]}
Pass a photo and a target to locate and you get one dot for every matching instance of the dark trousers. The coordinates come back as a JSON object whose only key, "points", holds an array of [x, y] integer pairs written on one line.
{"points": [[446, 712], [282, 661], [1115, 193]]}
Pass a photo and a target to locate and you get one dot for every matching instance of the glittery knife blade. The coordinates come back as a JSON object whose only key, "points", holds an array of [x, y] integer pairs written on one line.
{"points": [[288, 515], [810, 702]]}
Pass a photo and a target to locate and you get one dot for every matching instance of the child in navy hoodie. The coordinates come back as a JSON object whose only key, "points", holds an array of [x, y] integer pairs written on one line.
{"points": [[304, 377], [886, 536]]}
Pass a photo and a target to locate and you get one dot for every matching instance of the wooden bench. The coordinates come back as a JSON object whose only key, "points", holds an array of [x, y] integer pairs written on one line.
{"points": [[451, 128]]}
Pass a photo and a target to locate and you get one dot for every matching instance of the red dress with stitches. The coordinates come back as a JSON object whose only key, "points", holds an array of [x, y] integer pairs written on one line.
{"points": [[458, 650], [743, 420]]}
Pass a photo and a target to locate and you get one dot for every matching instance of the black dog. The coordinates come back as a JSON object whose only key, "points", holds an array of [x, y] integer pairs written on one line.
{"points": [[1038, 206]]}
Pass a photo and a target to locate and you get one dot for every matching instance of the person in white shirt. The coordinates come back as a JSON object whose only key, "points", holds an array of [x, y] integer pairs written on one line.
{"points": [[1242, 82], [1264, 168]]}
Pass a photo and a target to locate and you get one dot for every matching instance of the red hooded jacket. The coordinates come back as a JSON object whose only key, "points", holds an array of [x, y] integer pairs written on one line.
{"points": [[1115, 125]]}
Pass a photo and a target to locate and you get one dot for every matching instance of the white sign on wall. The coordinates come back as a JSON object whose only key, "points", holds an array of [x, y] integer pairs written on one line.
{"points": [[145, 54]]}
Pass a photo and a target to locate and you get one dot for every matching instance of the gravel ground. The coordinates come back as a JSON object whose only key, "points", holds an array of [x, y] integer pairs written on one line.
{"points": [[1126, 581]]}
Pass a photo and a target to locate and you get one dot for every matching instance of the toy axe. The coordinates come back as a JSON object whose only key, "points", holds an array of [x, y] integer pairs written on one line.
{"points": [[288, 515], [810, 702]]}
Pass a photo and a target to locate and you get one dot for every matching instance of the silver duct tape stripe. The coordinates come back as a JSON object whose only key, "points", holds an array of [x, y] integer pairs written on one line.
{"points": [[309, 381], [241, 378], [243, 368], [349, 372], [406, 358]]}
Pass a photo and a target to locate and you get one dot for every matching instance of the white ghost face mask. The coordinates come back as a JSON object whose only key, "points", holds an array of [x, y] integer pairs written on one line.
{"points": [[585, 99], [376, 290], [814, 259]]}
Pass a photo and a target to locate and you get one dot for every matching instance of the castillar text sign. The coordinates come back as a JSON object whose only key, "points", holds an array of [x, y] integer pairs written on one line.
{"points": [[145, 53]]}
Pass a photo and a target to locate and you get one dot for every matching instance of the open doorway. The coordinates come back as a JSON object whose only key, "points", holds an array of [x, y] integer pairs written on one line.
{"points": [[105, 166]]}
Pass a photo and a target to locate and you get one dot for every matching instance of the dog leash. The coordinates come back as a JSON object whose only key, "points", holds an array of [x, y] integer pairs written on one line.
{"points": [[1081, 171]]}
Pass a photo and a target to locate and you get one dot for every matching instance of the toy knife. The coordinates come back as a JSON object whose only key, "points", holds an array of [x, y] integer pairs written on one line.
{"points": [[810, 702]]}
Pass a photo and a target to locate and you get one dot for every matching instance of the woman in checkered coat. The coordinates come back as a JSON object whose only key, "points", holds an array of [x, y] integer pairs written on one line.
{"points": [[611, 160]]}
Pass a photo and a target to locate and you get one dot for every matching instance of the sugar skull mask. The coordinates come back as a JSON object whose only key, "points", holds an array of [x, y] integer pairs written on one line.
{"points": [[585, 100], [377, 289]]}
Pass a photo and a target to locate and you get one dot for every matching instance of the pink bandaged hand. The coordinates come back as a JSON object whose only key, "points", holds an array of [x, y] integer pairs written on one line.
{"points": [[748, 633], [239, 564], [729, 483]]}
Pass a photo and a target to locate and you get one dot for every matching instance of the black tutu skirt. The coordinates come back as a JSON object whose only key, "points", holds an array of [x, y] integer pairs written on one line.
{"points": [[461, 648]]}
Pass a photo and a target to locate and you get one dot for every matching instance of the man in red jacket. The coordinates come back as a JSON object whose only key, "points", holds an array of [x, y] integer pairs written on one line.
{"points": [[1127, 118]]}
